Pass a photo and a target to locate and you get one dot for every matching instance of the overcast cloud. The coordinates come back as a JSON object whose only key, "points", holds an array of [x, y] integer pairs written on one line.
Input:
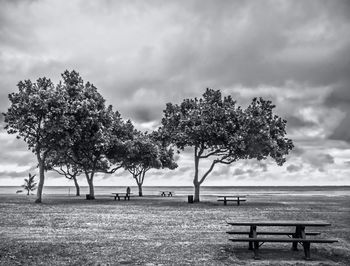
{"points": [[143, 54]]}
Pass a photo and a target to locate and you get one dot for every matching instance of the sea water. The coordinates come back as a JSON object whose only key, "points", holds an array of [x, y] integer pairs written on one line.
{"points": [[188, 190]]}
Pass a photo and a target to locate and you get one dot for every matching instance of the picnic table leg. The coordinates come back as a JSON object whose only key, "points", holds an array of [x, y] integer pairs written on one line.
{"points": [[115, 197], [128, 196], [118, 197], [306, 250], [299, 233], [256, 244], [251, 235]]}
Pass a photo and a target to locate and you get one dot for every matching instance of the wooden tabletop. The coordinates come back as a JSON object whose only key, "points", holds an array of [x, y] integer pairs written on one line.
{"points": [[281, 223], [241, 196]]}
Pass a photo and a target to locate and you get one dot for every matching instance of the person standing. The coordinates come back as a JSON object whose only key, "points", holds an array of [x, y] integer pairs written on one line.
{"points": [[128, 190]]}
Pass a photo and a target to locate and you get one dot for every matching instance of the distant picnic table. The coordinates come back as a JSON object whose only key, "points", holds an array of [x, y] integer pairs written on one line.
{"points": [[119, 195], [166, 193], [298, 235], [235, 198]]}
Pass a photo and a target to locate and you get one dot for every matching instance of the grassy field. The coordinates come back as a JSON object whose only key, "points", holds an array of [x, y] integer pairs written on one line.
{"points": [[160, 231]]}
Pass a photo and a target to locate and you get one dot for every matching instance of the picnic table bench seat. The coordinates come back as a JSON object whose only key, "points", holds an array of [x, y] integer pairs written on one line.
{"points": [[271, 233], [306, 242]]}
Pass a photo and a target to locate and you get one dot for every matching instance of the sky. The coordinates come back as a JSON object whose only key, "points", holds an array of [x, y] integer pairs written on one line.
{"points": [[143, 54]]}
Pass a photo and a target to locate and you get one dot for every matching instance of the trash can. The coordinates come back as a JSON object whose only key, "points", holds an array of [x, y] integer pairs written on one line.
{"points": [[190, 198]]}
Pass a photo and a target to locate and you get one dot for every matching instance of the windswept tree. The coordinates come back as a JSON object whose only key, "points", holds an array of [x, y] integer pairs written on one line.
{"points": [[69, 120], [144, 153], [36, 116], [93, 129], [223, 133], [29, 184]]}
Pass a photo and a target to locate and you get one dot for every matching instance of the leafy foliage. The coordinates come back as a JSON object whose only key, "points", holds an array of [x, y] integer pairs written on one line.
{"points": [[92, 130], [219, 129], [36, 116], [67, 125], [144, 153], [29, 184]]}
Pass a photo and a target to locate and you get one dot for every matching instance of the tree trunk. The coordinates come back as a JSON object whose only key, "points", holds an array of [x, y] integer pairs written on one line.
{"points": [[77, 188], [196, 191], [41, 180], [27, 192], [89, 179], [195, 180], [140, 189]]}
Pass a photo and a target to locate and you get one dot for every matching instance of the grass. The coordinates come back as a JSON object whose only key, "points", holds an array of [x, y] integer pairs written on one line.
{"points": [[161, 231]]}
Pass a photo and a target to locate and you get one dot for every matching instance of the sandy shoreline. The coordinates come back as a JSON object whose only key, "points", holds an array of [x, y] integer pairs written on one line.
{"points": [[154, 230]]}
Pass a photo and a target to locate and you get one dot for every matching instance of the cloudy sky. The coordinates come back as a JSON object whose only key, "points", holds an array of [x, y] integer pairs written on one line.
{"points": [[143, 54]]}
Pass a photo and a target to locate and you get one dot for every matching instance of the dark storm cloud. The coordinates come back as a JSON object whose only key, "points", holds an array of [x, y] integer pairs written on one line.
{"points": [[141, 55], [13, 174], [340, 98], [294, 168], [342, 131], [297, 151], [297, 122], [319, 161]]}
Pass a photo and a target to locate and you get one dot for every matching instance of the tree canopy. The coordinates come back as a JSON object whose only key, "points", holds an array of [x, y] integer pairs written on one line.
{"points": [[219, 130], [67, 124], [36, 116], [93, 129], [144, 153]]}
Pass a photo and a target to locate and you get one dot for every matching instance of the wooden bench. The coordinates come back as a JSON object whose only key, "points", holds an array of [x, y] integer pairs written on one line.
{"points": [[298, 236], [237, 199], [306, 242], [126, 196], [166, 193]]}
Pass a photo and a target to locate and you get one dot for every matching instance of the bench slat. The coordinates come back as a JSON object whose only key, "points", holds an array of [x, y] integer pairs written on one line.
{"points": [[284, 240], [270, 233]]}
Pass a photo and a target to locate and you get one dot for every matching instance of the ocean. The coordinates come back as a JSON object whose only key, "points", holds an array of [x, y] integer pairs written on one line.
{"points": [[188, 190]]}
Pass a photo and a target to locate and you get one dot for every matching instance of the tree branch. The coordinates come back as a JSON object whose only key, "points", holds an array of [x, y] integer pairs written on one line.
{"points": [[208, 172]]}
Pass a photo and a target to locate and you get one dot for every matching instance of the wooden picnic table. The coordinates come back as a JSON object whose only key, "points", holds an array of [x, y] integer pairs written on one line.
{"points": [[119, 195], [166, 193], [236, 198], [298, 234]]}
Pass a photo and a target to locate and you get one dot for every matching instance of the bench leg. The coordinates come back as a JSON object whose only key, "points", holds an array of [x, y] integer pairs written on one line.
{"points": [[225, 201], [307, 250], [238, 201]]}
